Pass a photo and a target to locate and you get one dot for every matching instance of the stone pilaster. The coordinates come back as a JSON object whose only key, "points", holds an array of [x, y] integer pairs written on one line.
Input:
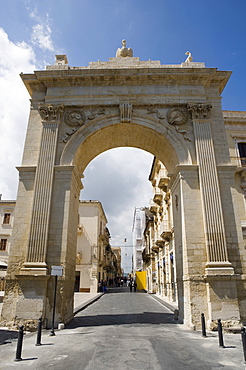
{"points": [[37, 244], [210, 192]]}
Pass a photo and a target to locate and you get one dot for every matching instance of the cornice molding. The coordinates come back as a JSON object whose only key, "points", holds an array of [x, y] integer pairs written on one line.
{"points": [[40, 80]]}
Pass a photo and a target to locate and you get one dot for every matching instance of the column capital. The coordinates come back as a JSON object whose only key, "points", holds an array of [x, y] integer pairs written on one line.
{"points": [[51, 113], [199, 110]]}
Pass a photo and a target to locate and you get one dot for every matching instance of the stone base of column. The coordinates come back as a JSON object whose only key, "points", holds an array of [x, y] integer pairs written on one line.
{"points": [[34, 268], [25, 301], [215, 296], [219, 268], [222, 301]]}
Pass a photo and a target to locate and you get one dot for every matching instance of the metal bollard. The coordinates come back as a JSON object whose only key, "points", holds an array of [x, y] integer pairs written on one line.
{"points": [[243, 335], [19, 344], [221, 342], [203, 325], [39, 332]]}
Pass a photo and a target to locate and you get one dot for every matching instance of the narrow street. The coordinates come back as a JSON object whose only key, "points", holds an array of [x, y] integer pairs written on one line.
{"points": [[126, 330]]}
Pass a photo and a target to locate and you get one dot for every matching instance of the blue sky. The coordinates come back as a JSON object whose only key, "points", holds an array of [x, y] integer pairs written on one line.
{"points": [[33, 31]]}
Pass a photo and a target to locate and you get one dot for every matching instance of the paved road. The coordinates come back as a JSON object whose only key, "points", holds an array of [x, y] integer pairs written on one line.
{"points": [[124, 330]]}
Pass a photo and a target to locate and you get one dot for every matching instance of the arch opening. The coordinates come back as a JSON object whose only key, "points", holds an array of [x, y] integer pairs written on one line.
{"points": [[118, 178]]}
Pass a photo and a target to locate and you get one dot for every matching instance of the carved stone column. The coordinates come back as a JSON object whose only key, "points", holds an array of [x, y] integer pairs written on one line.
{"points": [[37, 244], [212, 209]]}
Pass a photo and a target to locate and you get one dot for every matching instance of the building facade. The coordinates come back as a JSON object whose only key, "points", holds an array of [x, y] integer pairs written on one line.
{"points": [[138, 239], [7, 210], [95, 259], [161, 253]]}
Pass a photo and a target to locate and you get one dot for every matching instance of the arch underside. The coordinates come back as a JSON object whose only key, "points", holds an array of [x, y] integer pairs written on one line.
{"points": [[157, 139]]}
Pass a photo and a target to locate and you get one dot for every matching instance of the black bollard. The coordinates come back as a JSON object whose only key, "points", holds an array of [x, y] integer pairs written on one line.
{"points": [[19, 344], [39, 332], [203, 325], [243, 335], [221, 342], [52, 332]]}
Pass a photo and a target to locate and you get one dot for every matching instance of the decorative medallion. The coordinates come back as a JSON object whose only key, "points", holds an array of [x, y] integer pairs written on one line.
{"points": [[176, 116], [75, 117]]}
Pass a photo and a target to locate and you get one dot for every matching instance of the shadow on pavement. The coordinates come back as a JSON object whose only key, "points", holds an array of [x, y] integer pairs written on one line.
{"points": [[122, 319], [7, 336]]}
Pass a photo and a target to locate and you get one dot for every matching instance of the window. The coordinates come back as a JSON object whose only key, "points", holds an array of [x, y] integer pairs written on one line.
{"points": [[3, 244], [242, 153], [6, 218]]}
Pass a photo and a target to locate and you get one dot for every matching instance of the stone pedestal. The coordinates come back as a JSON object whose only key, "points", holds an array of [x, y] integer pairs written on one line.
{"points": [[222, 300], [24, 301]]}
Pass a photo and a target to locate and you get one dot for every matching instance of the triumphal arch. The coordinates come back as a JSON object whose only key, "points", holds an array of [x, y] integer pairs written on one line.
{"points": [[171, 111]]}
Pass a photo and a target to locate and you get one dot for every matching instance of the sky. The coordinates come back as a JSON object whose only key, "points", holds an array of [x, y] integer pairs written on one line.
{"points": [[32, 32]]}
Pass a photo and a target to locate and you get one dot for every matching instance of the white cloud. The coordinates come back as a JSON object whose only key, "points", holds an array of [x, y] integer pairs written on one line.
{"points": [[14, 109], [41, 36]]}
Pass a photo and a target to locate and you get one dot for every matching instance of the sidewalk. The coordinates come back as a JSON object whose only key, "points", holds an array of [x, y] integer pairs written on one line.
{"points": [[172, 306], [82, 300]]}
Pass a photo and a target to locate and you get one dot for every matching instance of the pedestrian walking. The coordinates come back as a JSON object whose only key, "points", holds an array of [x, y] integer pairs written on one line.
{"points": [[130, 285], [104, 286], [100, 286]]}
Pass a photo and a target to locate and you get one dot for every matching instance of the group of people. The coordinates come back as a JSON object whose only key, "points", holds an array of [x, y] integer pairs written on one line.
{"points": [[119, 282], [102, 286]]}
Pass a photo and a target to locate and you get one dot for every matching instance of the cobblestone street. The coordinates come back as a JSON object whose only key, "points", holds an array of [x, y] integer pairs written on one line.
{"points": [[126, 330]]}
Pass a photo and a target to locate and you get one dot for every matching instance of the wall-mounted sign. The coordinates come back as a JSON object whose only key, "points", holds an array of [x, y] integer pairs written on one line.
{"points": [[56, 270]]}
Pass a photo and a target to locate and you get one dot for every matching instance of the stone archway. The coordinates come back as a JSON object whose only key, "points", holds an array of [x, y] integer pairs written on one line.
{"points": [[141, 132], [173, 112]]}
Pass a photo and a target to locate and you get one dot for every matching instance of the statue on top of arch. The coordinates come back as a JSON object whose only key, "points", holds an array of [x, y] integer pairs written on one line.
{"points": [[124, 51]]}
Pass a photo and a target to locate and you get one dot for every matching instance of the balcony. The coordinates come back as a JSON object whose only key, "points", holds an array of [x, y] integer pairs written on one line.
{"points": [[160, 243], [153, 207], [154, 247], [166, 230], [146, 256], [163, 180], [158, 197]]}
